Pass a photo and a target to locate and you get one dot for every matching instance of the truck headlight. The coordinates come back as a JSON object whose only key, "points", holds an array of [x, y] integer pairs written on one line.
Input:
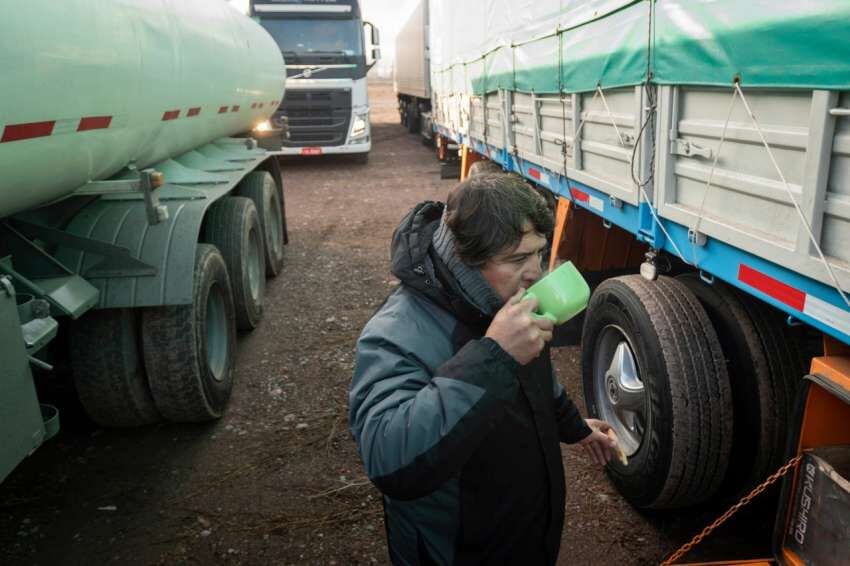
{"points": [[264, 126], [358, 126]]}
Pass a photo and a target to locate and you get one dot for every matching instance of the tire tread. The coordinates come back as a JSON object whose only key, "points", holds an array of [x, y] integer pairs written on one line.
{"points": [[172, 350], [108, 372]]}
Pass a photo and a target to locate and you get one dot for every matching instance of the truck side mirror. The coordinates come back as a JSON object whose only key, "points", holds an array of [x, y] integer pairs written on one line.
{"points": [[374, 35], [375, 44]]}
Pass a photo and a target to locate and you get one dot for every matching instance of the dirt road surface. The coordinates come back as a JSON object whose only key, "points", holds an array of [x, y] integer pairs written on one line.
{"points": [[277, 480]]}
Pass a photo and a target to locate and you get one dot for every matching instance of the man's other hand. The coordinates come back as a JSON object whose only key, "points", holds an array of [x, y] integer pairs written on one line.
{"points": [[518, 331], [597, 444]]}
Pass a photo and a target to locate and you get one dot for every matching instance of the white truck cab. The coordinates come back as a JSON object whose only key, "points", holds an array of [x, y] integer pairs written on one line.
{"points": [[328, 50]]}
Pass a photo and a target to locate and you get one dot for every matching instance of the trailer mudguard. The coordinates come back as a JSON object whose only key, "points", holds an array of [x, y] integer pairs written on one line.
{"points": [[169, 246]]}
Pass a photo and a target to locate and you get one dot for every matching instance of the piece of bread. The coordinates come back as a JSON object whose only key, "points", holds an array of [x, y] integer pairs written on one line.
{"points": [[617, 448]]}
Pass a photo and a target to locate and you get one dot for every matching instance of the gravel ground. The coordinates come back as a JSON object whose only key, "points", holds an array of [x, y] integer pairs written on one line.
{"points": [[277, 480]]}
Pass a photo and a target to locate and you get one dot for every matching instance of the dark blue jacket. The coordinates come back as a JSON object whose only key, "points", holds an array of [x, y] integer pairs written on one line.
{"points": [[461, 439]]}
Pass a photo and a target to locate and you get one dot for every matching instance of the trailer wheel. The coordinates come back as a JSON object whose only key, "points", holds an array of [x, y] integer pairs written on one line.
{"points": [[107, 368], [189, 349], [260, 187], [233, 226], [653, 368], [749, 339], [412, 117]]}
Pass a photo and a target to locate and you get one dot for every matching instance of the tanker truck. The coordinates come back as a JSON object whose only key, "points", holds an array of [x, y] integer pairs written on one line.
{"points": [[697, 155], [138, 221]]}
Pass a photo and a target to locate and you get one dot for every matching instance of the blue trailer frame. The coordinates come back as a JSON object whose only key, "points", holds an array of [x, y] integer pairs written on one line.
{"points": [[778, 286]]}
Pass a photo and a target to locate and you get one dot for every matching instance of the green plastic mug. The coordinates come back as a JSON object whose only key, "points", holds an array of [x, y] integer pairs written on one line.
{"points": [[560, 295]]}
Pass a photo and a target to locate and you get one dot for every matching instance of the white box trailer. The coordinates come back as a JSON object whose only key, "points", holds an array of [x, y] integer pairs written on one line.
{"points": [[411, 70], [712, 136]]}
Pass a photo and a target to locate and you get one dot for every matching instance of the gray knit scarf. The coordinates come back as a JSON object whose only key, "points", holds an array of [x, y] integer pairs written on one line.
{"points": [[472, 284]]}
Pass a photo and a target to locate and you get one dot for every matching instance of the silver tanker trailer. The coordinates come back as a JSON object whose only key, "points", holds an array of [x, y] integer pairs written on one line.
{"points": [[138, 221]]}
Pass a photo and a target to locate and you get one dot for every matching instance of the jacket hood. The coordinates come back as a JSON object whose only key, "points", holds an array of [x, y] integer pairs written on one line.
{"points": [[417, 265], [410, 259]]}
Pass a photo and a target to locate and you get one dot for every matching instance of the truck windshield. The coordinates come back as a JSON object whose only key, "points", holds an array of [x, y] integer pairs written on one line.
{"points": [[307, 36]]}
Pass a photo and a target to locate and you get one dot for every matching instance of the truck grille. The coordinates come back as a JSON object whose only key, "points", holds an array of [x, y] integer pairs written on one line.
{"points": [[316, 117]]}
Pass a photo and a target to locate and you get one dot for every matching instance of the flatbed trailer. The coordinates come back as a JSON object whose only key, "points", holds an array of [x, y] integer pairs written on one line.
{"points": [[706, 146]]}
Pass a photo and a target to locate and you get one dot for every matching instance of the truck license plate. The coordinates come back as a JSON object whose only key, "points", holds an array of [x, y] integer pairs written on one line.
{"points": [[311, 151]]}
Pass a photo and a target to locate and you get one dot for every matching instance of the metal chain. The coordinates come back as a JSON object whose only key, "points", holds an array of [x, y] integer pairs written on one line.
{"points": [[684, 549]]}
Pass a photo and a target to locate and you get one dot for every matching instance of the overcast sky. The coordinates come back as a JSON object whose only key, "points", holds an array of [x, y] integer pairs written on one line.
{"points": [[387, 15]]}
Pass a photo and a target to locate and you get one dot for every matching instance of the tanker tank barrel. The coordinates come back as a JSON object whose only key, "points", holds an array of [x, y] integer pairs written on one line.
{"points": [[134, 102]]}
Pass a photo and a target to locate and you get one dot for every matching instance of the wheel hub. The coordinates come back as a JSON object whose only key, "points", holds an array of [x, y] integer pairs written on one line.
{"points": [[613, 392], [619, 389], [217, 347]]}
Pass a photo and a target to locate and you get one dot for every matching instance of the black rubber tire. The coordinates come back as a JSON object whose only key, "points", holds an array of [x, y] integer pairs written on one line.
{"points": [[402, 112], [175, 341], [784, 349], [786, 360], [412, 117], [107, 368], [260, 187], [759, 395], [233, 226], [684, 453]]}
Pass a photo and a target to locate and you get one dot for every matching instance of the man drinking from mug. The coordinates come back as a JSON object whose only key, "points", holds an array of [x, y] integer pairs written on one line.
{"points": [[454, 404]]}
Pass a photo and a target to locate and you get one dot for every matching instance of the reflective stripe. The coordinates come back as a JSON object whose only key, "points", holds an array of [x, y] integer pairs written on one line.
{"points": [[828, 314], [16, 132], [810, 305], [593, 202], [540, 176], [772, 287], [94, 123]]}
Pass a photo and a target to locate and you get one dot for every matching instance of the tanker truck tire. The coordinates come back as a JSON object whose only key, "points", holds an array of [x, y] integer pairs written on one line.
{"points": [[652, 367], [233, 226], [260, 187], [760, 400], [189, 349], [107, 368]]}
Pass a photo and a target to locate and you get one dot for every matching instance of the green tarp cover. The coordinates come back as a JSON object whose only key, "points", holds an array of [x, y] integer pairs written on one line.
{"points": [[765, 43], [768, 43]]}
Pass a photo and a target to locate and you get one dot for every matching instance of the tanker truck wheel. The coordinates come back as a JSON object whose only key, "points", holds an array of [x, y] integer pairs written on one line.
{"points": [[233, 226], [189, 349], [762, 360], [652, 368], [259, 186], [107, 368]]}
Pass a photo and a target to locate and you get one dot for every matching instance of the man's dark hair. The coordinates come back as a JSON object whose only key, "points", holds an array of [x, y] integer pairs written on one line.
{"points": [[488, 214]]}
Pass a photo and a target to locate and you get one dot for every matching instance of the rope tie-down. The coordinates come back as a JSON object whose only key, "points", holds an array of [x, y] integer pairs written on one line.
{"points": [[739, 93]]}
